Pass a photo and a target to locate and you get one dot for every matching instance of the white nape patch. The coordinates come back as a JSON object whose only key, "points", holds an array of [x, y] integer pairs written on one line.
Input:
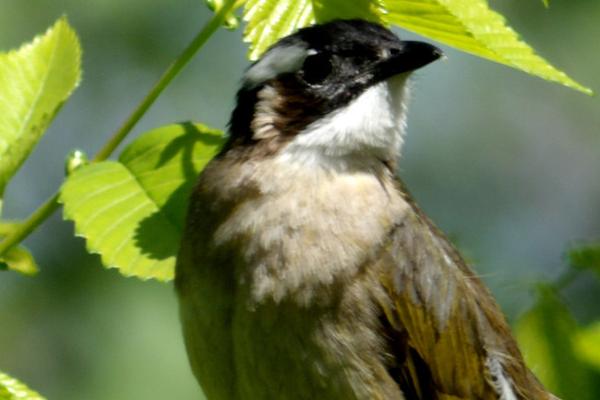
{"points": [[370, 126], [276, 61], [501, 384]]}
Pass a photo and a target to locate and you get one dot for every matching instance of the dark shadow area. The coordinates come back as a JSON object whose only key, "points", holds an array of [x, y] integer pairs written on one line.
{"points": [[158, 234]]}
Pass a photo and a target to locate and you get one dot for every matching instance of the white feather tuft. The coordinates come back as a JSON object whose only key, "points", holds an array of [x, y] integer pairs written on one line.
{"points": [[277, 61], [501, 383], [370, 127]]}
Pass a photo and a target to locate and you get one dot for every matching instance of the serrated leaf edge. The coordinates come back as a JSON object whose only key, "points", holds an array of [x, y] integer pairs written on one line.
{"points": [[105, 262]]}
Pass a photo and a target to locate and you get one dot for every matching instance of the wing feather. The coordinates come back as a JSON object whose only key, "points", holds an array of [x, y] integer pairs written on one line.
{"points": [[450, 329]]}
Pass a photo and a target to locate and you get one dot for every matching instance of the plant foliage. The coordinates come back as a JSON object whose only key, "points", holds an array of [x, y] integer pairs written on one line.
{"points": [[546, 334], [587, 345], [34, 82], [19, 259], [12, 389], [468, 25], [131, 212], [586, 258]]}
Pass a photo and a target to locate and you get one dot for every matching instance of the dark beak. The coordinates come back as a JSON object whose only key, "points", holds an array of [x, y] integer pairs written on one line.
{"points": [[405, 57]]}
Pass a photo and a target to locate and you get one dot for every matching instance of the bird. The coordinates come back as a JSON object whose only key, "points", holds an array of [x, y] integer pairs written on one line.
{"points": [[306, 269]]}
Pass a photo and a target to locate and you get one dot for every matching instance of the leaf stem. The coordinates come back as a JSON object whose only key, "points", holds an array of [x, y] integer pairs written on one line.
{"points": [[22, 230], [215, 22], [51, 204]]}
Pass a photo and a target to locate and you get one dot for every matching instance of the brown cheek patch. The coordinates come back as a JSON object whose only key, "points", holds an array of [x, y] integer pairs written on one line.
{"points": [[294, 107], [283, 109], [274, 114]]}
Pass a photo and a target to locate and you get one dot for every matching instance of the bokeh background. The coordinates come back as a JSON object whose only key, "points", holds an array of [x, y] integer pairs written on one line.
{"points": [[507, 164]]}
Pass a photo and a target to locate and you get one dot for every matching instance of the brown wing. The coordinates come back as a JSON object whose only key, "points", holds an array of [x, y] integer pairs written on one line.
{"points": [[447, 337]]}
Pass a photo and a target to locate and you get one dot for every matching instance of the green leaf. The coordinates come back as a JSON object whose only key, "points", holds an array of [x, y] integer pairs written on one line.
{"points": [[587, 345], [327, 10], [545, 334], [586, 257], [132, 212], [35, 81], [19, 259], [468, 25], [12, 389], [471, 26], [269, 20]]}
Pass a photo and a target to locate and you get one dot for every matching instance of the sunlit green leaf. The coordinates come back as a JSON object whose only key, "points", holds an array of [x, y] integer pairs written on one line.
{"points": [[35, 81], [131, 212], [327, 10], [545, 334], [269, 20], [468, 25], [587, 345], [12, 389], [471, 26]]}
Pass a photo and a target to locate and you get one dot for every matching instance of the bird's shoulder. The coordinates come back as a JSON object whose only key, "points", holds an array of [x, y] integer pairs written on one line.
{"points": [[448, 336]]}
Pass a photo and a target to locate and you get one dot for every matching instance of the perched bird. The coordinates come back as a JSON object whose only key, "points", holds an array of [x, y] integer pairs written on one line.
{"points": [[306, 271]]}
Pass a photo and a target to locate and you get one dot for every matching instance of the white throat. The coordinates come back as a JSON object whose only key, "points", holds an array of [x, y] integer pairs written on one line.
{"points": [[370, 128]]}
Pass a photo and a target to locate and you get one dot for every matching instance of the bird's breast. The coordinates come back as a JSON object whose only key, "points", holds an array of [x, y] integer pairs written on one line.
{"points": [[300, 229], [264, 278]]}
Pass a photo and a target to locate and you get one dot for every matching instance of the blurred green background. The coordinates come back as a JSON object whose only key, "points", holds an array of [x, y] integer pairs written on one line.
{"points": [[507, 164]]}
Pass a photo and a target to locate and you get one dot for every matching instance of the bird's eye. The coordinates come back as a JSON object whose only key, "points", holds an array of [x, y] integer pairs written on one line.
{"points": [[316, 68]]}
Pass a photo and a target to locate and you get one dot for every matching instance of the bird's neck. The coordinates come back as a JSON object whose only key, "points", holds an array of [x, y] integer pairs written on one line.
{"points": [[369, 130]]}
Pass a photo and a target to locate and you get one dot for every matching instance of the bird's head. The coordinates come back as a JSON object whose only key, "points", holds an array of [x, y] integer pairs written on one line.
{"points": [[335, 91]]}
